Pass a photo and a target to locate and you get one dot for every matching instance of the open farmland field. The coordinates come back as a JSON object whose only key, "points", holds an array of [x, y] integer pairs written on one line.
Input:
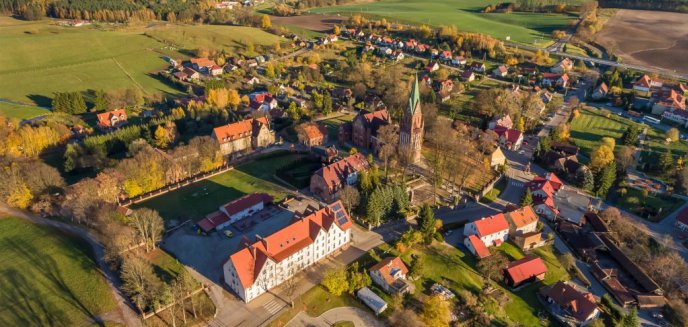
{"points": [[40, 58], [651, 38], [12, 110], [230, 38], [47, 279], [465, 14]]}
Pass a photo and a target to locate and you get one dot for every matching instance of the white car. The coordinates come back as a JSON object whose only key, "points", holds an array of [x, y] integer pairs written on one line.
{"points": [[522, 152]]}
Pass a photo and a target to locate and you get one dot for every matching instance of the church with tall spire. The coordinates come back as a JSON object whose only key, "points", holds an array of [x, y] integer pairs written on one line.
{"points": [[412, 125]]}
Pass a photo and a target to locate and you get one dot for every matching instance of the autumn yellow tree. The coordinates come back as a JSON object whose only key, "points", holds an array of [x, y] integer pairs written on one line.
{"points": [[218, 97], [608, 141], [20, 196], [162, 137], [562, 132], [265, 22], [233, 98], [601, 156]]}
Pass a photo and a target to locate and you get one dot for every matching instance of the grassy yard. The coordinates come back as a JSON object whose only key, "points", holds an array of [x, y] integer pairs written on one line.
{"points": [[197, 200], [314, 302], [334, 123], [47, 279], [588, 129], [465, 14], [636, 203], [493, 194]]}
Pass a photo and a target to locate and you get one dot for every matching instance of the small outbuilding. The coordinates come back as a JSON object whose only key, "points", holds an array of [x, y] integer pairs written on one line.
{"points": [[372, 300]]}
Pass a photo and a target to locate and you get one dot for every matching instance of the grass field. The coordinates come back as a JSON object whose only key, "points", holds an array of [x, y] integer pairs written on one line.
{"points": [[635, 202], [47, 279], [588, 129], [39, 58], [465, 14], [229, 38], [21, 112], [199, 199]]}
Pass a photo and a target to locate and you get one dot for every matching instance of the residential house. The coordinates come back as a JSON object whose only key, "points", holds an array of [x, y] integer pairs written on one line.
{"points": [[562, 67], [390, 275], [497, 158], [543, 190], [501, 121], [511, 139], [431, 67], [524, 271], [365, 127], [244, 136], [528, 68], [667, 99], [476, 246], [111, 119], [645, 84], [180, 75], [327, 181], [546, 96], [522, 220], [444, 86], [216, 70], [312, 134], [529, 241], [501, 71], [326, 155], [477, 67], [600, 91], [492, 230], [191, 74], [468, 76], [459, 61], [269, 261], [555, 80], [446, 55], [202, 64], [342, 93], [251, 80], [262, 101], [578, 307]]}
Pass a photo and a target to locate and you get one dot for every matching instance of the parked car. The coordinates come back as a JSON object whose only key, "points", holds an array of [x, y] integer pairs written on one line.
{"points": [[229, 233]]}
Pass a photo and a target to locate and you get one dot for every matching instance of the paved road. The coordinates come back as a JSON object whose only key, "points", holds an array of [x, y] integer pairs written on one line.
{"points": [[358, 317], [124, 313]]}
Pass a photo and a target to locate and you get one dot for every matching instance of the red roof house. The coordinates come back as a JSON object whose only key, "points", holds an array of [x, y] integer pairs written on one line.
{"points": [[476, 246], [327, 181], [523, 271], [112, 119], [492, 230], [390, 274], [579, 305]]}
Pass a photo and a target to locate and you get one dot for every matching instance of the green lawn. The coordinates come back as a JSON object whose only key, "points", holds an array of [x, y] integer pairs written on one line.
{"points": [[11, 110], [334, 123], [197, 200], [47, 279], [588, 129], [465, 14], [634, 202], [493, 194], [315, 302], [40, 58], [229, 38]]}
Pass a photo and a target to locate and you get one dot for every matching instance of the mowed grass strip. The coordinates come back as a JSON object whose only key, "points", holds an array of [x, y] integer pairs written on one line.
{"points": [[10, 110], [206, 196], [588, 129], [465, 14], [46, 278]]}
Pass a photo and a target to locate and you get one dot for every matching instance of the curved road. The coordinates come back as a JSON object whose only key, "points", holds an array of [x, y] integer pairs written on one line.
{"points": [[358, 317]]}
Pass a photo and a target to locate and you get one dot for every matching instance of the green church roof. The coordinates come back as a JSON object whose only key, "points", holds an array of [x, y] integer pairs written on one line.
{"points": [[414, 99]]}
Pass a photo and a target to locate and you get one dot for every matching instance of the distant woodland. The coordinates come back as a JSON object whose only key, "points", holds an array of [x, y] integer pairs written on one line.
{"points": [[108, 10]]}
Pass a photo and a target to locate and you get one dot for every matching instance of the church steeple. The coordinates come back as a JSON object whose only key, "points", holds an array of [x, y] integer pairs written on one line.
{"points": [[414, 99]]}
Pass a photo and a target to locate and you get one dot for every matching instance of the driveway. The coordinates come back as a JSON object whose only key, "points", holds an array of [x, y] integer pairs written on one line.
{"points": [[358, 317]]}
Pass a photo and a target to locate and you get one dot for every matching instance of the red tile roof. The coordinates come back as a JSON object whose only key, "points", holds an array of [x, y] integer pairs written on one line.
{"points": [[389, 268], [523, 269], [490, 225], [104, 117], [314, 131], [213, 220], [249, 261], [581, 305], [480, 249], [236, 130], [246, 202], [643, 81], [202, 62], [683, 217], [523, 216], [510, 135], [337, 173]]}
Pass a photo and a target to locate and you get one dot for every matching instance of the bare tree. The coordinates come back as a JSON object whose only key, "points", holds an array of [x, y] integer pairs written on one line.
{"points": [[290, 289], [149, 226], [139, 282], [349, 196], [389, 138]]}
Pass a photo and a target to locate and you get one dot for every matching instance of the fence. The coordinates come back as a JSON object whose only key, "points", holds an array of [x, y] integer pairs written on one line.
{"points": [[490, 185]]}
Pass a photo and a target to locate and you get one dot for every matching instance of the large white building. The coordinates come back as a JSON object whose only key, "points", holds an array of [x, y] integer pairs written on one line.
{"points": [[259, 267]]}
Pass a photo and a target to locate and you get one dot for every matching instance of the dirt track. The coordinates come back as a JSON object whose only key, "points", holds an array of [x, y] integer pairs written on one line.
{"points": [[318, 23], [651, 38]]}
